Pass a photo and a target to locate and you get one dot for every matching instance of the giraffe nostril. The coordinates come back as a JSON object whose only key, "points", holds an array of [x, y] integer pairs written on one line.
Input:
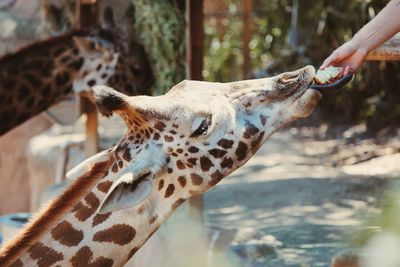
{"points": [[290, 77]]}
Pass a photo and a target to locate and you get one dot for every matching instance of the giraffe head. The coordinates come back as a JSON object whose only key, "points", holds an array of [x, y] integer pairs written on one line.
{"points": [[183, 143], [177, 145], [114, 57]]}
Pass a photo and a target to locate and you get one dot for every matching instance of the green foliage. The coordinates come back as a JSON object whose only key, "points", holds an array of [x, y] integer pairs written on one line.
{"points": [[224, 57], [322, 26], [161, 28]]}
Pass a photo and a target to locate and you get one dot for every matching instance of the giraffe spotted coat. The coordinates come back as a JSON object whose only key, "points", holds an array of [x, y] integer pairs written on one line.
{"points": [[177, 145]]}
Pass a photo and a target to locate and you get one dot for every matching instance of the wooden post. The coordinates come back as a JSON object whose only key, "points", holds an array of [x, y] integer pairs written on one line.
{"points": [[194, 71], [390, 50], [194, 37], [87, 14], [246, 35]]}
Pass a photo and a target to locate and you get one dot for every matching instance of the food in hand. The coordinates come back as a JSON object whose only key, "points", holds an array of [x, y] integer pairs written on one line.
{"points": [[328, 75]]}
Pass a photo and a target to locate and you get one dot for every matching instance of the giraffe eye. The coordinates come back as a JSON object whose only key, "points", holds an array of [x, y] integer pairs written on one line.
{"points": [[203, 127]]}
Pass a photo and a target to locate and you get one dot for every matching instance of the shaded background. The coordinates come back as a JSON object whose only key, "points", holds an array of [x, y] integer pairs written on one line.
{"points": [[279, 42]]}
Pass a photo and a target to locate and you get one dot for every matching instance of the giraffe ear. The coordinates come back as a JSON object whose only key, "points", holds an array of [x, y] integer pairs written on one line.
{"points": [[128, 21], [128, 191]]}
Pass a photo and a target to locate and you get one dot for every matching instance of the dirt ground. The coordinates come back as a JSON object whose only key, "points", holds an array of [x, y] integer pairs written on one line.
{"points": [[310, 193], [299, 201]]}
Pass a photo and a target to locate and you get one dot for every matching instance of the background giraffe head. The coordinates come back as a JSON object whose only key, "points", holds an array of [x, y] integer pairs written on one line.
{"points": [[41, 74], [183, 143], [114, 57]]}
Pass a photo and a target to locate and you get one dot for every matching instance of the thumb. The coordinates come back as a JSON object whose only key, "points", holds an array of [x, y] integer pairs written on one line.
{"points": [[328, 62], [332, 59]]}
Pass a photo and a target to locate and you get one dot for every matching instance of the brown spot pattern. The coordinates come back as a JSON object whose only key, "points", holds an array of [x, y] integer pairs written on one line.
{"points": [[170, 190], [227, 163], [215, 178], [127, 155], [192, 161], [114, 168], [84, 211], [100, 218], [159, 126], [263, 119], [168, 138], [193, 149], [104, 186], [156, 136], [250, 130], [153, 219], [180, 165], [225, 143], [205, 163], [182, 181], [84, 257], [217, 153], [241, 151], [66, 234], [120, 234], [196, 179], [45, 256], [160, 184], [140, 209], [256, 143]]}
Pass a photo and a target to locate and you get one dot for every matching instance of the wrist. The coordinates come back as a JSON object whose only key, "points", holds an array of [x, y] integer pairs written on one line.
{"points": [[360, 47]]}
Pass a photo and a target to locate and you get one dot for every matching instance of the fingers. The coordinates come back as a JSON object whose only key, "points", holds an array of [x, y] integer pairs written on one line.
{"points": [[347, 70], [329, 61], [339, 55], [333, 59]]}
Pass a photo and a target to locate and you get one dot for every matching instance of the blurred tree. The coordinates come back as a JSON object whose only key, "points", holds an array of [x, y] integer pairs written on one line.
{"points": [[161, 28], [321, 27]]}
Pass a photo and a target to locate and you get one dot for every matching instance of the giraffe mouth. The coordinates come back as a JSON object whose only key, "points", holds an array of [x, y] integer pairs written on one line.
{"points": [[304, 105], [307, 98]]}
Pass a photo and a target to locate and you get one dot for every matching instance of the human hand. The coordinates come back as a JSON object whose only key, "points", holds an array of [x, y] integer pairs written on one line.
{"points": [[349, 57]]}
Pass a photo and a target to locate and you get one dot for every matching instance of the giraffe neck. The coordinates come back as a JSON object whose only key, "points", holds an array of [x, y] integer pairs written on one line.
{"points": [[36, 77], [74, 234]]}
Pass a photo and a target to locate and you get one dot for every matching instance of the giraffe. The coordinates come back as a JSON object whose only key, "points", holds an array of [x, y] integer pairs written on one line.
{"points": [[177, 145], [39, 75]]}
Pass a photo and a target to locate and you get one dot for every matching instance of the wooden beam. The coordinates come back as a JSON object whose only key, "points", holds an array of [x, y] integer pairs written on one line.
{"points": [[87, 14], [194, 71], [390, 50], [194, 39]]}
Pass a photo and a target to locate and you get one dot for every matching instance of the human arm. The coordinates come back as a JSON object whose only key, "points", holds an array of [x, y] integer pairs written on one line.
{"points": [[351, 54]]}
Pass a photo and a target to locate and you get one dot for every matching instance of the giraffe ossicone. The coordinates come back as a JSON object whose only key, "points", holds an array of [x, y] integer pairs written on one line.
{"points": [[177, 145]]}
